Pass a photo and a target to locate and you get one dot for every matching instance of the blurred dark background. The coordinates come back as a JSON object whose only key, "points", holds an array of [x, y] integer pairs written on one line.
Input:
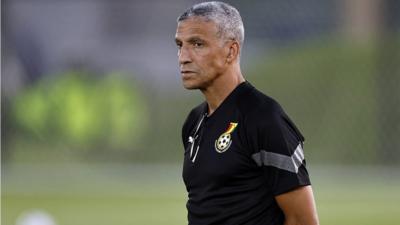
{"points": [[96, 82]]}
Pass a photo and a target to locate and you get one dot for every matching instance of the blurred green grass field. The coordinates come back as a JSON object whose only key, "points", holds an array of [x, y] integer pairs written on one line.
{"points": [[153, 194]]}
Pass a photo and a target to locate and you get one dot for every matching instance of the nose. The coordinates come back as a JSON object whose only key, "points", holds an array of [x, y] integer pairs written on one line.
{"points": [[183, 56]]}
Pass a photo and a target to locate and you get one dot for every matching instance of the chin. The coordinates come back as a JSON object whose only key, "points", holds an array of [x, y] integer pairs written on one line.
{"points": [[190, 85]]}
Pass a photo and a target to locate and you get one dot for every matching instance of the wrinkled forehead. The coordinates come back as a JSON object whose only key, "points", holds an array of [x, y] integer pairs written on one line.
{"points": [[196, 27]]}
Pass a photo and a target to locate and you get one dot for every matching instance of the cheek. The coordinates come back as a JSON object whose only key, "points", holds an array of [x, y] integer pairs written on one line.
{"points": [[217, 63], [210, 63], [213, 61]]}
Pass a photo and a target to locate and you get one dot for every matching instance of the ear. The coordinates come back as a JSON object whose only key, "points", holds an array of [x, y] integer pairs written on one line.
{"points": [[233, 53]]}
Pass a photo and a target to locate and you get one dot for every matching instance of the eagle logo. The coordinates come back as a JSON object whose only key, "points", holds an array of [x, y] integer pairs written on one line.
{"points": [[225, 140]]}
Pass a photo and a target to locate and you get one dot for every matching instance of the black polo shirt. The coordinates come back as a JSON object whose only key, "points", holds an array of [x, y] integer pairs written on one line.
{"points": [[239, 158]]}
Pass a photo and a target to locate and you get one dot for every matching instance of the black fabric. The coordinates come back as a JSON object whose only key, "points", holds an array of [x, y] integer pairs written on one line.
{"points": [[229, 187]]}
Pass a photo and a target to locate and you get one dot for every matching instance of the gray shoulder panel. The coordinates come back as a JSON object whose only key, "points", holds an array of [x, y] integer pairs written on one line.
{"points": [[284, 162]]}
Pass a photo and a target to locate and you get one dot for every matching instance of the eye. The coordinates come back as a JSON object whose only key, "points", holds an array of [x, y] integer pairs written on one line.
{"points": [[178, 44], [198, 44]]}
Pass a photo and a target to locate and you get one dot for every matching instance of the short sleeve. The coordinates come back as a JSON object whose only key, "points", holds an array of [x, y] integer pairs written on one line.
{"points": [[277, 148]]}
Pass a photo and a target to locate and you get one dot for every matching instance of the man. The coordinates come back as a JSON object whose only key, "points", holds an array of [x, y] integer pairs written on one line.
{"points": [[243, 160]]}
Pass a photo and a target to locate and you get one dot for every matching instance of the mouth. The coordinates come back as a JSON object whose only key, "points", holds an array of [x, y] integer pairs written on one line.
{"points": [[186, 72]]}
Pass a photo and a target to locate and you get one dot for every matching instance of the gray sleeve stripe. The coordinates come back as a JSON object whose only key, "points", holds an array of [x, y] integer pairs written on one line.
{"points": [[284, 162]]}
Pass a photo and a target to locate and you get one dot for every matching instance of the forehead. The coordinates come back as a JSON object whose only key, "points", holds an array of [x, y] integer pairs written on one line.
{"points": [[196, 27]]}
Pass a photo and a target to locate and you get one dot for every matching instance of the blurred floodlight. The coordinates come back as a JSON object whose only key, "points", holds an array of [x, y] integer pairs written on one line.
{"points": [[35, 217]]}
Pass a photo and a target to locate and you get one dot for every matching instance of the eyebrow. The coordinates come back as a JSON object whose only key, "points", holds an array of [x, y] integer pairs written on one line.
{"points": [[190, 39], [195, 38]]}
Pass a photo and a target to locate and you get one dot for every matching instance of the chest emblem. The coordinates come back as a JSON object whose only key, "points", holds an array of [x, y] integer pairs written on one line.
{"points": [[225, 140]]}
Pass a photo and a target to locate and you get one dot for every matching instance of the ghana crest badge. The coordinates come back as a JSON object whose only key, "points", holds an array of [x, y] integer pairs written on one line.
{"points": [[225, 140]]}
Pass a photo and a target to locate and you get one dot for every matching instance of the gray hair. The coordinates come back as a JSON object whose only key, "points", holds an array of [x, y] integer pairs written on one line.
{"points": [[226, 17]]}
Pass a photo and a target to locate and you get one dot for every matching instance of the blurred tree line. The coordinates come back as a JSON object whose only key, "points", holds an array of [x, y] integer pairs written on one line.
{"points": [[333, 65], [331, 88], [78, 111]]}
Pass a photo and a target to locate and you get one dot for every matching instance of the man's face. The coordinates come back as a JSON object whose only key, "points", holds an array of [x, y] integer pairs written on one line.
{"points": [[201, 53]]}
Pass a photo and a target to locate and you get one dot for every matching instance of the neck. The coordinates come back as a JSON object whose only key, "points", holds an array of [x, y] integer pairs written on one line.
{"points": [[221, 87]]}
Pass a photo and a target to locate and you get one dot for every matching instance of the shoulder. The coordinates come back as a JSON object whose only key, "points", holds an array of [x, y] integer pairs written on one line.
{"points": [[197, 111], [263, 114], [256, 106], [193, 116]]}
